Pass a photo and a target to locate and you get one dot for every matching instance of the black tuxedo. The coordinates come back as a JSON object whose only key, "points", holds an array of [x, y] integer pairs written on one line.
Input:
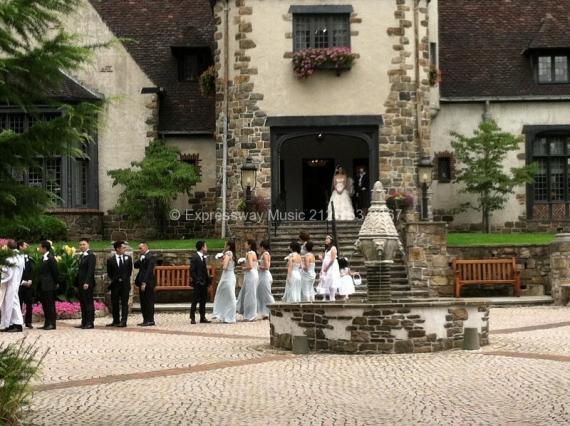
{"points": [[119, 273], [146, 276], [48, 286], [200, 280], [363, 192], [26, 294], [86, 275]]}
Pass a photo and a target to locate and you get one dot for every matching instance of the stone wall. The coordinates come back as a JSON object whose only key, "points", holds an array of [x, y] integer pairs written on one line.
{"points": [[426, 248], [81, 223], [378, 328], [560, 269]]}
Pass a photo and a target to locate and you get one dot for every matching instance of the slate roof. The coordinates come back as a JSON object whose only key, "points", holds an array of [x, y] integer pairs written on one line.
{"points": [[485, 45], [71, 90], [151, 28]]}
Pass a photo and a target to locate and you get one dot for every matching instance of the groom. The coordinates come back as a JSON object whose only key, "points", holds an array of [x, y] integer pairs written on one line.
{"points": [[200, 281]]}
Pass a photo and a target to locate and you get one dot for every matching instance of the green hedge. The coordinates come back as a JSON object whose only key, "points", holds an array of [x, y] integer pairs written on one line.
{"points": [[33, 229]]}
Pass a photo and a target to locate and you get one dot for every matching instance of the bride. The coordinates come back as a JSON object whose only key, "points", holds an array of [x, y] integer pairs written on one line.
{"points": [[342, 189]]}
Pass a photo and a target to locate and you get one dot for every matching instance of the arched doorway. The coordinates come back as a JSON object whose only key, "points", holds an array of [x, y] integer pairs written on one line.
{"points": [[303, 159]]}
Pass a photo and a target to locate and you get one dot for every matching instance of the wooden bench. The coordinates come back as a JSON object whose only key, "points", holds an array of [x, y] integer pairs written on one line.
{"points": [[177, 278], [486, 272]]}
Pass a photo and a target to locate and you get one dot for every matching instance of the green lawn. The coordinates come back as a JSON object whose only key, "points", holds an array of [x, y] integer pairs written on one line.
{"points": [[158, 244], [480, 239]]}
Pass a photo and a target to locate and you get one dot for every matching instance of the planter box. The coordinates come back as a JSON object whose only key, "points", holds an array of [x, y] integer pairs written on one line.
{"points": [[336, 68]]}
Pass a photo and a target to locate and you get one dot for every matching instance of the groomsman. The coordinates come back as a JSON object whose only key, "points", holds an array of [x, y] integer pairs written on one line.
{"points": [[26, 291], [145, 282], [363, 191], [200, 281], [119, 270], [86, 284], [48, 285], [12, 320]]}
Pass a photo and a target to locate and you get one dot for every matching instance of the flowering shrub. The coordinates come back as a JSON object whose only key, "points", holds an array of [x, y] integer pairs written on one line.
{"points": [[399, 201], [307, 61], [66, 310]]}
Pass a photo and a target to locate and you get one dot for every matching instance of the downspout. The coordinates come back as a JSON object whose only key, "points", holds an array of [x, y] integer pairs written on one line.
{"points": [[419, 95], [487, 116], [225, 117]]}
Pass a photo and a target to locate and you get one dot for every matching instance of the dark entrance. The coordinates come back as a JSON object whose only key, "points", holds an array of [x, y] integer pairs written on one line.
{"points": [[300, 144], [317, 178]]}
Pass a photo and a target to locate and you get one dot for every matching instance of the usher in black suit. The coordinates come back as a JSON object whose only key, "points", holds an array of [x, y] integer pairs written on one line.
{"points": [[119, 270], [86, 275], [48, 286], [146, 265], [200, 281], [25, 293]]}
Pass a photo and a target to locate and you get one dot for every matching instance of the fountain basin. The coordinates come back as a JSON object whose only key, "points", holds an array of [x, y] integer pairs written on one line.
{"points": [[379, 328]]}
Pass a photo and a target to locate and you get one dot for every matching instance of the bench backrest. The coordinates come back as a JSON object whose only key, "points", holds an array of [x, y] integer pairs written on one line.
{"points": [[485, 269], [177, 275]]}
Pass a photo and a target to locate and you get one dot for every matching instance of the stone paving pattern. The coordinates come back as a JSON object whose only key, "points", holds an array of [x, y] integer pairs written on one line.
{"points": [[218, 374]]}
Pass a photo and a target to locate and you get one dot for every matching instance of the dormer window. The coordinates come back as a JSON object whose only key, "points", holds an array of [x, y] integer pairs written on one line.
{"points": [[192, 62], [552, 69]]}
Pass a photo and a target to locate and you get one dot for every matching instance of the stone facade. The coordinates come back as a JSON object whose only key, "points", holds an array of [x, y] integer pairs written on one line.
{"points": [[378, 328], [261, 85]]}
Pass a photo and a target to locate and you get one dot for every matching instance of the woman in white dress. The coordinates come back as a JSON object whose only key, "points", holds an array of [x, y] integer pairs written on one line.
{"points": [[330, 274], [341, 192], [264, 296], [294, 264], [225, 300], [346, 287], [247, 298], [308, 274]]}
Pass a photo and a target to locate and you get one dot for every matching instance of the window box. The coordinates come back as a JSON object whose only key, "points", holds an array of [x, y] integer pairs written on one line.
{"points": [[307, 61]]}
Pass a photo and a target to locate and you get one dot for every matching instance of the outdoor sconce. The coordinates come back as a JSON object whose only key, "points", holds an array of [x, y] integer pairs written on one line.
{"points": [[425, 167], [248, 182]]}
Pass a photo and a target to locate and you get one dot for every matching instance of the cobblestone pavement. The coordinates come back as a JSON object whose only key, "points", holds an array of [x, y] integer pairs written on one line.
{"points": [[222, 374]]}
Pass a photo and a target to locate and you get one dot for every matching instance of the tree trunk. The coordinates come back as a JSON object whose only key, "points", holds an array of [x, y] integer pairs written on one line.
{"points": [[485, 222]]}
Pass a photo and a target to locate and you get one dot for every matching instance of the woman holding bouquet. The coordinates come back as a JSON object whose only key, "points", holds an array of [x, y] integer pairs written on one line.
{"points": [[225, 299], [247, 299]]}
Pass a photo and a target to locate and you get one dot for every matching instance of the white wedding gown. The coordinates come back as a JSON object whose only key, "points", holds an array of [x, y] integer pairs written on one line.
{"points": [[343, 209]]}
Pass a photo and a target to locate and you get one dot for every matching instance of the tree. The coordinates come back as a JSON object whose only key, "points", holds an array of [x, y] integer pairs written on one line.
{"points": [[482, 172], [35, 52], [153, 184]]}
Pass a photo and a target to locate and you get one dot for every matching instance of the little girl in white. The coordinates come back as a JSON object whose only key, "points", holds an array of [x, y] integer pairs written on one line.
{"points": [[346, 287]]}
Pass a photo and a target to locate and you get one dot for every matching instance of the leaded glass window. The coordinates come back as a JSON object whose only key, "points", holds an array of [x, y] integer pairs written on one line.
{"points": [[321, 31]]}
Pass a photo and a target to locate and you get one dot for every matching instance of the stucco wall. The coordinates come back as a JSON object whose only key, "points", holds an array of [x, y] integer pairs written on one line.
{"points": [[113, 73], [206, 147], [511, 117], [362, 90]]}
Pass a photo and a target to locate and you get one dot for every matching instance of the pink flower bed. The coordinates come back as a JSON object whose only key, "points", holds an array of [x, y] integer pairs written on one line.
{"points": [[66, 309]]}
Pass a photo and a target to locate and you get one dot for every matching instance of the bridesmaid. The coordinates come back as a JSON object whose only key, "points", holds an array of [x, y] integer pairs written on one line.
{"points": [[293, 285], [225, 300], [304, 237], [247, 299], [264, 296], [308, 274], [330, 274]]}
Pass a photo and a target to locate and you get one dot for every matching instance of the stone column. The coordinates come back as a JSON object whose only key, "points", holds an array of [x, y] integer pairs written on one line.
{"points": [[560, 268], [426, 249]]}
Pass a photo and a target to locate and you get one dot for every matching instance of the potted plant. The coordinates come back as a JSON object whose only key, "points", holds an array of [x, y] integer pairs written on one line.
{"points": [[434, 75], [208, 81], [307, 61]]}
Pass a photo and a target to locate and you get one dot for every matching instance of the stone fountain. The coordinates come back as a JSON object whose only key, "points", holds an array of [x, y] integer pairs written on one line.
{"points": [[379, 324]]}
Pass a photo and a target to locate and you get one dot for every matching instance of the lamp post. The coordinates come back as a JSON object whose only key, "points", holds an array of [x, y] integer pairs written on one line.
{"points": [[425, 167], [248, 182]]}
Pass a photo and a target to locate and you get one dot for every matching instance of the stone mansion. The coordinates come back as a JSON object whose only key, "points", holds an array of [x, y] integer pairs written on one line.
{"points": [[419, 69]]}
